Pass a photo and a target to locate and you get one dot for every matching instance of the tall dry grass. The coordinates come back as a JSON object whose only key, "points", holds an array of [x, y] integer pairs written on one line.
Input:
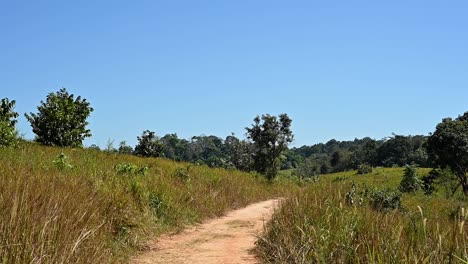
{"points": [[89, 212], [316, 226]]}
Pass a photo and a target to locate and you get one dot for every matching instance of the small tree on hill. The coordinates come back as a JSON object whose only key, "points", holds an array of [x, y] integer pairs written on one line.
{"points": [[271, 136], [448, 148], [148, 145], [61, 120], [8, 133], [410, 182]]}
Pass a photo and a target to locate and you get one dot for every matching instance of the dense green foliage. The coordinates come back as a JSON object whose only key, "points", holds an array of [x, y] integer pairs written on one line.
{"points": [[61, 120], [148, 145], [336, 156], [410, 182], [364, 168], [8, 133], [448, 147], [271, 136]]}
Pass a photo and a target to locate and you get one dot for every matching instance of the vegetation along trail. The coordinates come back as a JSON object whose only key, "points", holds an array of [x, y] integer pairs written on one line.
{"points": [[228, 239]]}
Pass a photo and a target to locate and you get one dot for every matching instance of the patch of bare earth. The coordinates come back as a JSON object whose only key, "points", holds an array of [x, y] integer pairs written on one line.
{"points": [[228, 239]]}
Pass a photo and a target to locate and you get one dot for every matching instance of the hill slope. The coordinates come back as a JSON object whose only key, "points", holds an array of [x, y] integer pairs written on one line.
{"points": [[85, 206]]}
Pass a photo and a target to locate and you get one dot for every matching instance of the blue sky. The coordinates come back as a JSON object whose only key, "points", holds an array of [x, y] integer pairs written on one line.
{"points": [[339, 69]]}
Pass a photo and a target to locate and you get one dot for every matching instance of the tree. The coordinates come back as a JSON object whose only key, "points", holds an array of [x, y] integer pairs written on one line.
{"points": [[61, 120], [410, 182], [208, 150], [239, 152], [447, 147], [124, 148], [271, 136], [148, 145], [8, 133], [175, 148]]}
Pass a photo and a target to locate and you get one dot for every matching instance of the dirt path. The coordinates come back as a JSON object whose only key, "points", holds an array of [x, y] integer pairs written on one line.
{"points": [[223, 240]]}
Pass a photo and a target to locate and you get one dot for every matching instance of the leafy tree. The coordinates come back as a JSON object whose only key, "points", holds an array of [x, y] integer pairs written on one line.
{"points": [[395, 151], [448, 148], [61, 120], [271, 136], [307, 170], [8, 133], [410, 182], [175, 148], [239, 152], [148, 145], [124, 148], [208, 150]]}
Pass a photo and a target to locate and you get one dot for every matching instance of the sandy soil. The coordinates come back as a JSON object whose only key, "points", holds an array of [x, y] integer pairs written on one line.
{"points": [[228, 239]]}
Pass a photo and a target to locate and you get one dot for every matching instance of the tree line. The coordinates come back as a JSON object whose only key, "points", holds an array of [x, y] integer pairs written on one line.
{"points": [[336, 156], [61, 120]]}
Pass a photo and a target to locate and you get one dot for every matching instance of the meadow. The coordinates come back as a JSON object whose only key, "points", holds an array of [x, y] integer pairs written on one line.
{"points": [[351, 218], [64, 205]]}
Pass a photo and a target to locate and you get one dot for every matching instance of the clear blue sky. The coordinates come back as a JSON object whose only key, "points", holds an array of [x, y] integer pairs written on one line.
{"points": [[339, 69]]}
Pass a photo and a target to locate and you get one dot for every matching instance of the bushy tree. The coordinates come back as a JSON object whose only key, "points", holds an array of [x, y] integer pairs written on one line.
{"points": [[448, 147], [61, 120], [124, 148], [410, 182], [175, 148], [239, 152], [271, 136], [208, 150], [8, 133], [148, 145]]}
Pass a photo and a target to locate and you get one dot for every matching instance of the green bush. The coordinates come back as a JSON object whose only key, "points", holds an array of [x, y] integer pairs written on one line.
{"points": [[364, 168], [62, 162], [8, 133], [128, 168], [384, 200], [410, 182]]}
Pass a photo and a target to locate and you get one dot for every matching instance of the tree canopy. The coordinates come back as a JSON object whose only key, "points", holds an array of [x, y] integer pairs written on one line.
{"points": [[448, 147], [61, 120], [271, 136]]}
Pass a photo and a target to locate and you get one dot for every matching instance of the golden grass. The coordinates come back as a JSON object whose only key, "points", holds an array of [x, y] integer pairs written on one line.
{"points": [[317, 226], [90, 213]]}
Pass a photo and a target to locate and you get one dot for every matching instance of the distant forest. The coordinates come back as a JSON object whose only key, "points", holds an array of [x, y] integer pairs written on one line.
{"points": [[332, 156]]}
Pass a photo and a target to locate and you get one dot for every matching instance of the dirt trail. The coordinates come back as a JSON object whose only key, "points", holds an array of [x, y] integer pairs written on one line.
{"points": [[223, 240]]}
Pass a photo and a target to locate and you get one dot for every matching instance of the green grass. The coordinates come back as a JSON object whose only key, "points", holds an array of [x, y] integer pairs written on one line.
{"points": [[379, 177], [86, 208], [316, 225]]}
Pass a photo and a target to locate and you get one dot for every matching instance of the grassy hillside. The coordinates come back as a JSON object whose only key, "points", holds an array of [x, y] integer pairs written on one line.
{"points": [[322, 224], [85, 206]]}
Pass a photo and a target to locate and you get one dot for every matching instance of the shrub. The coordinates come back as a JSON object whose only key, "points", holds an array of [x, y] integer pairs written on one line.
{"points": [[8, 133], [364, 168], [410, 182], [128, 168], [62, 162], [384, 200], [157, 204]]}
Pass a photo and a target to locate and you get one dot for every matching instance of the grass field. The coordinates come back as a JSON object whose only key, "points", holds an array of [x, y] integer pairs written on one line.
{"points": [[84, 206], [319, 225]]}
